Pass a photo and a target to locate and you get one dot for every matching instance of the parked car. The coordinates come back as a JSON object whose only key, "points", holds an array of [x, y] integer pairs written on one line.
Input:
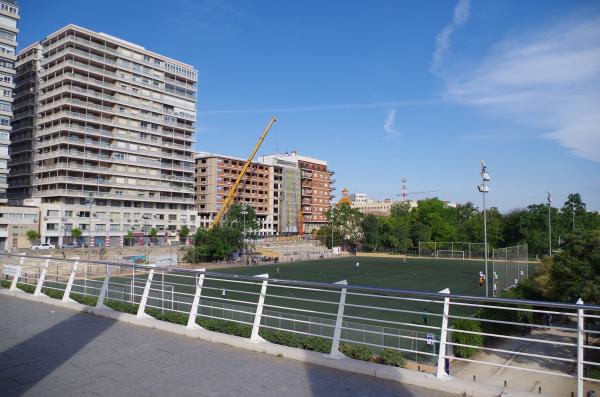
{"points": [[74, 244], [43, 246]]}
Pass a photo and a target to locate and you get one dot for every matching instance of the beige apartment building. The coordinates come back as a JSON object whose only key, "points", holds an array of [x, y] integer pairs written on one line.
{"points": [[216, 175], [112, 143], [9, 15]]}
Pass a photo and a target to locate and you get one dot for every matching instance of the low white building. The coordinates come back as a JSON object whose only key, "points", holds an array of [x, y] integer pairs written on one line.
{"points": [[15, 221]]}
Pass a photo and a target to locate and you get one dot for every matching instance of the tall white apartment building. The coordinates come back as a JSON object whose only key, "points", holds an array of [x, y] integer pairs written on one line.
{"points": [[113, 138], [9, 15]]}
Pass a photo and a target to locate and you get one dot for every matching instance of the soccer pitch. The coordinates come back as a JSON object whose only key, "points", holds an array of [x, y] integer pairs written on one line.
{"points": [[462, 277]]}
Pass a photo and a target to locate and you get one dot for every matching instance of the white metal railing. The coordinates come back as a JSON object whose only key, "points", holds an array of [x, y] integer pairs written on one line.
{"points": [[421, 325]]}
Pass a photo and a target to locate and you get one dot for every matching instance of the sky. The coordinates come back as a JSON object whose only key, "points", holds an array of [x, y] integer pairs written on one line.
{"points": [[384, 89]]}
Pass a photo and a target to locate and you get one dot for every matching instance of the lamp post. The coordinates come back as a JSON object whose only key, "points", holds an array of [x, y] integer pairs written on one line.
{"points": [[146, 244], [90, 202], [483, 189], [332, 216], [549, 198], [573, 213], [244, 213]]}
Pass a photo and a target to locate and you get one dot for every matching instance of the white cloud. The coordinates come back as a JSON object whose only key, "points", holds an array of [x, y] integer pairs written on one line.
{"points": [[390, 120], [442, 40], [549, 80]]}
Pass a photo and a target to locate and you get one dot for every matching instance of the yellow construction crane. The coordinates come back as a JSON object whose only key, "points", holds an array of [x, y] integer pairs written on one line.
{"points": [[233, 190]]}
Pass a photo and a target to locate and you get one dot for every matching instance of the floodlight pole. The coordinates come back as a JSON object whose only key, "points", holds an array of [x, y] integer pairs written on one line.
{"points": [[573, 213], [244, 212], [331, 231], [483, 188], [549, 198]]}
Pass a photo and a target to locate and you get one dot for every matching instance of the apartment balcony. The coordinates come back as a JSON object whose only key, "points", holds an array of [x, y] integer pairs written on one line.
{"points": [[331, 172], [307, 192], [77, 90], [73, 153], [88, 143], [75, 128], [307, 175], [78, 78], [110, 183], [111, 195]]}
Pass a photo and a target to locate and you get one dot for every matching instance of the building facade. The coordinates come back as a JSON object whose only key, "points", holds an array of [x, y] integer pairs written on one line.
{"points": [[14, 224], [216, 175], [20, 177], [112, 145], [307, 187], [9, 15]]}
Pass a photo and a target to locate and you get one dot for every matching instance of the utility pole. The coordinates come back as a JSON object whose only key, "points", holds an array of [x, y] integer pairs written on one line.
{"points": [[483, 189], [549, 198]]}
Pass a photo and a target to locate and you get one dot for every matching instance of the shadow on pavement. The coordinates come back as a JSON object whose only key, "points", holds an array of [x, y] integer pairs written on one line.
{"points": [[27, 363]]}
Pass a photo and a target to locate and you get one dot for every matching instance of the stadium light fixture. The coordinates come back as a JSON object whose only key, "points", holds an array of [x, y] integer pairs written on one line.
{"points": [[483, 189], [549, 198]]}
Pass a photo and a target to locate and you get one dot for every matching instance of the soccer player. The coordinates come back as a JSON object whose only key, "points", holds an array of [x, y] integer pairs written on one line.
{"points": [[223, 293], [357, 264]]}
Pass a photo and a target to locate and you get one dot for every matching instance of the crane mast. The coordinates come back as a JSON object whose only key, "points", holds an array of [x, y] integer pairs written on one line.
{"points": [[233, 190]]}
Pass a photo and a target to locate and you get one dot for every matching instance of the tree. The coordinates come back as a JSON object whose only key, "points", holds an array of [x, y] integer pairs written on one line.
{"points": [[371, 226], [575, 271], [76, 233], [346, 222], [218, 243], [236, 219], [129, 238], [420, 232], [32, 235], [153, 232], [183, 232]]}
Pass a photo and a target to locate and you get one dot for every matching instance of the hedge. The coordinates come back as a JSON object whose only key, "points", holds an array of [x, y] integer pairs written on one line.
{"points": [[466, 338]]}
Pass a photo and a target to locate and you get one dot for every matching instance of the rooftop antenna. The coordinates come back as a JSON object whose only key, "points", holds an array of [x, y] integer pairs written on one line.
{"points": [[404, 191]]}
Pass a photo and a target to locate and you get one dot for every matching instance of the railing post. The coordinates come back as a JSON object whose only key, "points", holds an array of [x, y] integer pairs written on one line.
{"points": [[104, 289], [441, 372], [254, 337], [337, 332], [580, 341], [42, 279], [66, 295], [15, 280], [141, 310], [196, 303]]}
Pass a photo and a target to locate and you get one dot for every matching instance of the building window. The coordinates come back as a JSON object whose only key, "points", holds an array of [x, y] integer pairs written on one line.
{"points": [[100, 227], [52, 226]]}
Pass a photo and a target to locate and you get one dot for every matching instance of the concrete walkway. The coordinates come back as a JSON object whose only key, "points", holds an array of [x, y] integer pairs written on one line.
{"points": [[51, 351], [551, 385]]}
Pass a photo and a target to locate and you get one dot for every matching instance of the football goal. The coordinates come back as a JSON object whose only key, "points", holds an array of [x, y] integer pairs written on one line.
{"points": [[449, 254]]}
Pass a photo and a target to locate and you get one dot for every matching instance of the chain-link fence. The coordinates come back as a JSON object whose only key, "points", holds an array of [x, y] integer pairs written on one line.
{"points": [[451, 250], [509, 266]]}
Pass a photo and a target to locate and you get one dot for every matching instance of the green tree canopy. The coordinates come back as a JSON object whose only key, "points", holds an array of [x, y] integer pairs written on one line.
{"points": [[32, 235]]}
